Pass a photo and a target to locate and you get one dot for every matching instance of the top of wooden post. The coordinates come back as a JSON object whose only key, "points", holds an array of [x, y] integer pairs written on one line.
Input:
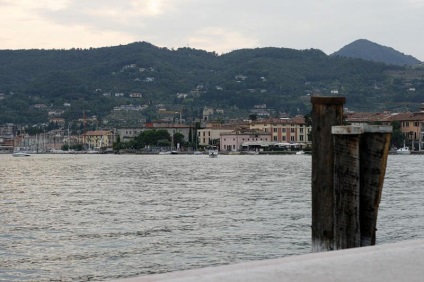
{"points": [[368, 128], [347, 130], [328, 100], [360, 129]]}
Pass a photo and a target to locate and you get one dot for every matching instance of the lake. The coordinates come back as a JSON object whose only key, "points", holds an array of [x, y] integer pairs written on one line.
{"points": [[102, 217]]}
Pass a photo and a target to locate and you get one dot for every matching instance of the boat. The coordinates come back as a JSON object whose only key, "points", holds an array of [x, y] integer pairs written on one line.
{"points": [[213, 152], [301, 152], [404, 150], [197, 153], [21, 154]]}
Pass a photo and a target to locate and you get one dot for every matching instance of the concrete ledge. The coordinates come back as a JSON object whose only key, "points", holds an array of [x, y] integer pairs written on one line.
{"points": [[360, 129], [402, 261], [347, 130]]}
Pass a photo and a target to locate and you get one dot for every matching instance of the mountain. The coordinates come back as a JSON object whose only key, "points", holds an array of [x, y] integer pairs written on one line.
{"points": [[370, 51], [136, 80]]}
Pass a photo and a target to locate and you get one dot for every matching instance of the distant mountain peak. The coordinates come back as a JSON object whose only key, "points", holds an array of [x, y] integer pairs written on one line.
{"points": [[370, 51]]}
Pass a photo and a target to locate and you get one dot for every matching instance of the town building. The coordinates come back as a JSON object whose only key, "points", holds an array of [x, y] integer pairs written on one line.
{"points": [[6, 144], [128, 133], [98, 139], [172, 128], [411, 124], [210, 135], [244, 140], [287, 130]]}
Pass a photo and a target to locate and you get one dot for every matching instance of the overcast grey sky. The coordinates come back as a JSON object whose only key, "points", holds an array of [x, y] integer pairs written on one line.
{"points": [[213, 25]]}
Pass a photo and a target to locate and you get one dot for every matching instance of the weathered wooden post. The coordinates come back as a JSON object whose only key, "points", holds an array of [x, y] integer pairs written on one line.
{"points": [[375, 145], [326, 112], [348, 169], [346, 186]]}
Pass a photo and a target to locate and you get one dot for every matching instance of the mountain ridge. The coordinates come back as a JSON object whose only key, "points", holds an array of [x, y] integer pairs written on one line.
{"points": [[190, 79]]}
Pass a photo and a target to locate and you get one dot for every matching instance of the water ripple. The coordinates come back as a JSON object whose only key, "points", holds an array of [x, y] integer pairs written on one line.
{"points": [[99, 217]]}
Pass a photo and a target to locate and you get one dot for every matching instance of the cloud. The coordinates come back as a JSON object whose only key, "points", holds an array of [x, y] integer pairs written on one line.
{"points": [[27, 27], [213, 25], [214, 39]]}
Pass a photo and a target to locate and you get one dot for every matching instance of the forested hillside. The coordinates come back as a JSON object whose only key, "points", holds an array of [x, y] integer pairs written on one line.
{"points": [[370, 51], [97, 80]]}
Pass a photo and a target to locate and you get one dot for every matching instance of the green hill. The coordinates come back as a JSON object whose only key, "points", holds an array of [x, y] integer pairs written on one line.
{"points": [[370, 51], [97, 80]]}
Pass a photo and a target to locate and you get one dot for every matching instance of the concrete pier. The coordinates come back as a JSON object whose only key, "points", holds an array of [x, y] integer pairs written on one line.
{"points": [[402, 261]]}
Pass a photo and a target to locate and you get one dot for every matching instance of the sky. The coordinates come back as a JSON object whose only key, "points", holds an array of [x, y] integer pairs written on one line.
{"points": [[212, 25]]}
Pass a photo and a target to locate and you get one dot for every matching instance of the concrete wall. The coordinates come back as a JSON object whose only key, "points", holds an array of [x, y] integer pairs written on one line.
{"points": [[402, 261]]}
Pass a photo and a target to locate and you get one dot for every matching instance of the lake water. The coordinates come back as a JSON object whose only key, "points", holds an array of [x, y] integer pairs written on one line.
{"points": [[102, 217]]}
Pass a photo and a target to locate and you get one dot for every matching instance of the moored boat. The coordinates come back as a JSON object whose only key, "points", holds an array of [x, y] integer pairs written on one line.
{"points": [[21, 154], [404, 150], [213, 152]]}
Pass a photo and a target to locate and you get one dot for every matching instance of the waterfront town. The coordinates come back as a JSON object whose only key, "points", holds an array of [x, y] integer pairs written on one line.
{"points": [[259, 134]]}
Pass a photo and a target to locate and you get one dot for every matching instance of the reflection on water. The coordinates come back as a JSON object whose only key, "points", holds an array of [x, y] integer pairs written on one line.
{"points": [[96, 217]]}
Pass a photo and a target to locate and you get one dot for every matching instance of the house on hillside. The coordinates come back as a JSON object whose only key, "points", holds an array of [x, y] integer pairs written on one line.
{"points": [[207, 112], [57, 120]]}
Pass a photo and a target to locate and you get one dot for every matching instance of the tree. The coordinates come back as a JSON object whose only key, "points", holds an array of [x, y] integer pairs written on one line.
{"points": [[178, 138], [397, 136], [117, 144], [253, 117], [190, 135], [151, 137]]}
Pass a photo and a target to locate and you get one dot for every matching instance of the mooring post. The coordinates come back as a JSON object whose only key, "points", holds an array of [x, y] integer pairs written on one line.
{"points": [[346, 186], [326, 112], [375, 145]]}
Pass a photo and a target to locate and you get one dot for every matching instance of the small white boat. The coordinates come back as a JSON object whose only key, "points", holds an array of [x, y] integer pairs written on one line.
{"points": [[21, 154], [404, 150], [213, 152], [197, 153], [301, 152]]}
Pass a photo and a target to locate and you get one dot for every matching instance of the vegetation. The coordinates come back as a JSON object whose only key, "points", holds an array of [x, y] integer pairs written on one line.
{"points": [[397, 136], [36, 82], [370, 51], [153, 137]]}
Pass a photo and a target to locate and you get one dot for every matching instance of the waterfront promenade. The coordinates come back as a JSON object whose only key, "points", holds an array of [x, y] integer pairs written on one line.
{"points": [[401, 261]]}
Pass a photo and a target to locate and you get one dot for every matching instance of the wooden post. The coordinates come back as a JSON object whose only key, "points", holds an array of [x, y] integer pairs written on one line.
{"points": [[346, 186], [326, 112], [375, 145]]}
